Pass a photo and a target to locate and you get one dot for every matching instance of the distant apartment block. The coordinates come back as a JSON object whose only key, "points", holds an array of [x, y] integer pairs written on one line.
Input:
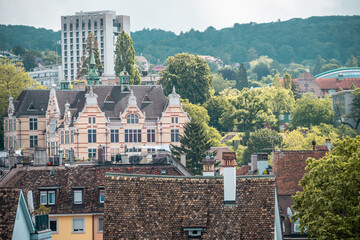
{"points": [[47, 75], [105, 25]]}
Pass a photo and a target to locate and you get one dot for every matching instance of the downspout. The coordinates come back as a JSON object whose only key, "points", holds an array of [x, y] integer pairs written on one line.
{"points": [[93, 230], [20, 132]]}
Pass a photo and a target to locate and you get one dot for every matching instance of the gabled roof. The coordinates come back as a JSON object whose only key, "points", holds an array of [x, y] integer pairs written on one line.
{"points": [[9, 199], [66, 178], [335, 83], [289, 169], [39, 100], [160, 207]]}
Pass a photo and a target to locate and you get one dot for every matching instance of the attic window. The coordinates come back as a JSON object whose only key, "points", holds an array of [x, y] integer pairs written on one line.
{"points": [[194, 232], [146, 99], [126, 89], [109, 99], [31, 107]]}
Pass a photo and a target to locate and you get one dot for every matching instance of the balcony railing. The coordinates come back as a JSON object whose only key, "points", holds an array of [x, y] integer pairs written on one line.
{"points": [[42, 222]]}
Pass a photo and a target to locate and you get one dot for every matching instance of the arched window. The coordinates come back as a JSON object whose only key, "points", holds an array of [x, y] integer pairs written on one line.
{"points": [[132, 119]]}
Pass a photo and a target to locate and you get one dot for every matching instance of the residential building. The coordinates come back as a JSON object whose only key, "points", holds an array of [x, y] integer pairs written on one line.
{"points": [[328, 82], [16, 222], [47, 75], [142, 62], [289, 169], [97, 122], [6, 54], [75, 193], [176, 207], [342, 106], [219, 170], [105, 25]]}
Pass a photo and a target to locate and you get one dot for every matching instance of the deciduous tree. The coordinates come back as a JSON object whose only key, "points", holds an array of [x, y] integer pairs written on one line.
{"points": [[310, 110], [190, 75], [328, 208]]}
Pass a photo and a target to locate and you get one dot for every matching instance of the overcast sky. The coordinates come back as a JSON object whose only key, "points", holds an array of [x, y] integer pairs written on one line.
{"points": [[174, 15]]}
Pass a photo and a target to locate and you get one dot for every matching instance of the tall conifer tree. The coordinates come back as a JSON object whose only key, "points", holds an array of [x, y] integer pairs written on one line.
{"points": [[241, 78], [91, 46], [125, 56]]}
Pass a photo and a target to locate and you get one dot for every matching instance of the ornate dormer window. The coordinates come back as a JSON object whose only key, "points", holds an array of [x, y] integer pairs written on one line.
{"points": [[108, 99], [146, 99], [31, 107]]}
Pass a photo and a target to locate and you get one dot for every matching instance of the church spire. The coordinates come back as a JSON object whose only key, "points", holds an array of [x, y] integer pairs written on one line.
{"points": [[92, 74]]}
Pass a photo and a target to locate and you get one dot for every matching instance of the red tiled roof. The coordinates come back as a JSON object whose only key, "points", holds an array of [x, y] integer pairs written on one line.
{"points": [[9, 199], [243, 170], [334, 83], [289, 169]]}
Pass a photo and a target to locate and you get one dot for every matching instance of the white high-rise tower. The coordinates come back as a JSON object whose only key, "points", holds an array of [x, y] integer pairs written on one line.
{"points": [[74, 30]]}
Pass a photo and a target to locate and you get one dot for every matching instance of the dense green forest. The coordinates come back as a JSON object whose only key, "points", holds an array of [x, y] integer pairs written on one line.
{"points": [[295, 40]]}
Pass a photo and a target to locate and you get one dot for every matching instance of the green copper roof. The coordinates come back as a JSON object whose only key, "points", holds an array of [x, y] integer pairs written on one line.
{"points": [[349, 72], [92, 74]]}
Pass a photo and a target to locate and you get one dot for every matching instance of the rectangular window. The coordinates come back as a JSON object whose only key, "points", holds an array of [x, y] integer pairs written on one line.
{"points": [[33, 124], [78, 225], [67, 137], [62, 137], [101, 196], [297, 226], [10, 125], [132, 135], [78, 197], [151, 135], [47, 197], [174, 119], [92, 120], [92, 135], [114, 135], [6, 125], [92, 153], [174, 135], [100, 224], [33, 141], [14, 124], [151, 150], [53, 224]]}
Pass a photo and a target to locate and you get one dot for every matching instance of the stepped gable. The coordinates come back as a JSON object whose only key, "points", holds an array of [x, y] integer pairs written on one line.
{"points": [[161, 207], [9, 199]]}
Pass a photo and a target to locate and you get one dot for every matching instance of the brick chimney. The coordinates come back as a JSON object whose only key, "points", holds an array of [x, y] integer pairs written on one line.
{"points": [[229, 177], [208, 166]]}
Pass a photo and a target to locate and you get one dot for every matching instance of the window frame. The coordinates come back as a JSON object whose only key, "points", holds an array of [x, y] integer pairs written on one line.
{"points": [[91, 135], [114, 135], [57, 224], [92, 120], [72, 224], [33, 141], [98, 224], [101, 190], [174, 135], [33, 124], [150, 135], [174, 119], [82, 197], [132, 119], [133, 135], [47, 193], [93, 153]]}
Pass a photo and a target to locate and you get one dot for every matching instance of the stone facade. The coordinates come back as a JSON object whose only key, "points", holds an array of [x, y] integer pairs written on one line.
{"points": [[98, 117]]}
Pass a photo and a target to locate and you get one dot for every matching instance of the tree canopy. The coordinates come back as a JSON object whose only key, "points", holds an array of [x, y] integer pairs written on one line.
{"points": [[328, 208], [310, 110], [190, 75], [125, 56], [13, 80]]}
